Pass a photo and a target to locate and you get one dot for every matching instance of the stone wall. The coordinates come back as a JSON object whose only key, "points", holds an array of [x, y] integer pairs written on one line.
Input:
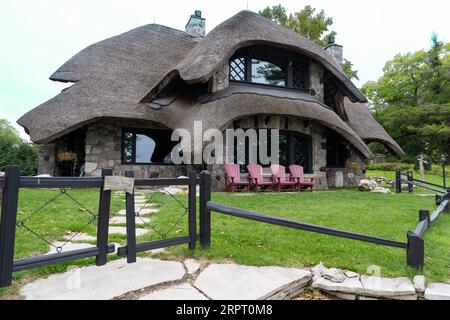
{"points": [[47, 159], [316, 80], [103, 150], [221, 78], [349, 176]]}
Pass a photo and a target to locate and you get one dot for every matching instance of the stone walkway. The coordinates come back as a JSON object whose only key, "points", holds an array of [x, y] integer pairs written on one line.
{"points": [[152, 279], [117, 221]]}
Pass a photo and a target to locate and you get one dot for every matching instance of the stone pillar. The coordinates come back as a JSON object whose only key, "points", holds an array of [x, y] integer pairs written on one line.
{"points": [[47, 159], [316, 77]]}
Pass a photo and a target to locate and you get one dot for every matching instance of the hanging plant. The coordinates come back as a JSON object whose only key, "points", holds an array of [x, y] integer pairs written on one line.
{"points": [[66, 156]]}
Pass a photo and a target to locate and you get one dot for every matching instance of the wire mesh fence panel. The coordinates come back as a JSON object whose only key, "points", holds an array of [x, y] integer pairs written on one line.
{"points": [[48, 220]]}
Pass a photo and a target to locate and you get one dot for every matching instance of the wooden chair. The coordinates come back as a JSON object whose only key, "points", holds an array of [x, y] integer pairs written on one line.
{"points": [[233, 178], [279, 178], [298, 176], [256, 178]]}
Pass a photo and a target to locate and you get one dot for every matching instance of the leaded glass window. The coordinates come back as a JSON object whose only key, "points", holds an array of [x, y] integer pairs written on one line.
{"points": [[237, 69], [142, 146]]}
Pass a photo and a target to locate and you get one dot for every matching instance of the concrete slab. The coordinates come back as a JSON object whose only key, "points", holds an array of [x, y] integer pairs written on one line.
{"points": [[123, 230], [392, 288], [123, 219], [106, 282], [235, 282], [180, 292], [438, 291]]}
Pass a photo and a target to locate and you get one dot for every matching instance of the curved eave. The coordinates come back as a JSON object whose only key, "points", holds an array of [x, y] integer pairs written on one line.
{"points": [[364, 124], [220, 112]]}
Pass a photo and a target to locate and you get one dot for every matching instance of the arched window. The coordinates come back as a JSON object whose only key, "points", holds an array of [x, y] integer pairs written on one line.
{"points": [[268, 72], [270, 66]]}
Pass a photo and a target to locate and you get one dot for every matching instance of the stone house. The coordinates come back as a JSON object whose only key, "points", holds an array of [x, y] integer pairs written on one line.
{"points": [[129, 93]]}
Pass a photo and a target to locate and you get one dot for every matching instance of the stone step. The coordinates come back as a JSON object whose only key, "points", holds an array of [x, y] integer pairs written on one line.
{"points": [[141, 212], [105, 282], [123, 230], [230, 281], [438, 291], [123, 220]]}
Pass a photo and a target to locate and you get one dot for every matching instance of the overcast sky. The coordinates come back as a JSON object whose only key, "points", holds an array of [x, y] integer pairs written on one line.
{"points": [[39, 36]]}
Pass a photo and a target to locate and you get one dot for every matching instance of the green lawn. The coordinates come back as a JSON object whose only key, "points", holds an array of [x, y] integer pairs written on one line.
{"points": [[254, 243], [428, 177]]}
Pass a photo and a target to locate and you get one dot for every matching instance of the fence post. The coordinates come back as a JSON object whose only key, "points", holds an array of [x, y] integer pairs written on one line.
{"points": [[205, 213], [131, 223], [415, 251], [409, 175], [192, 210], [8, 223], [103, 221], [398, 182], [424, 215], [446, 197]]}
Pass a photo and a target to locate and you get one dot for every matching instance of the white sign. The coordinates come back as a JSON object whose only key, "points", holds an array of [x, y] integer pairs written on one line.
{"points": [[119, 183]]}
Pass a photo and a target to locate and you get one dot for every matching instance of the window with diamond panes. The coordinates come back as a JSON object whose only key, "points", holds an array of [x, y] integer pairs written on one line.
{"points": [[127, 147], [237, 69]]}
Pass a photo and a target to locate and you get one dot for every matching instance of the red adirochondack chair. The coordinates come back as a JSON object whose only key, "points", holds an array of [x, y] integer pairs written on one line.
{"points": [[233, 178], [279, 178], [256, 178], [298, 176]]}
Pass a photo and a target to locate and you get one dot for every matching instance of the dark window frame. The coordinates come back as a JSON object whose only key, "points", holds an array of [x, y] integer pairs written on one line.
{"points": [[287, 59], [135, 132]]}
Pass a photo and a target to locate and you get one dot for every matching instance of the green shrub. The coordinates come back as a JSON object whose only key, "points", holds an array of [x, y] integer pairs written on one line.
{"points": [[390, 167]]}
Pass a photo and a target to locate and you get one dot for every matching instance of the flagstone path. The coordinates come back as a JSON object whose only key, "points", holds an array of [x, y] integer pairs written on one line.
{"points": [[153, 279]]}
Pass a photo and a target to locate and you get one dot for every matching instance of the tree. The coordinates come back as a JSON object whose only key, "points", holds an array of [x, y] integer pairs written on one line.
{"points": [[412, 100], [15, 151], [309, 23]]}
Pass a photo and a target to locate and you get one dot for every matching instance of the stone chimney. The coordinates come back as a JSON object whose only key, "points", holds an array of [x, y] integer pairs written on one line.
{"points": [[196, 25], [335, 50]]}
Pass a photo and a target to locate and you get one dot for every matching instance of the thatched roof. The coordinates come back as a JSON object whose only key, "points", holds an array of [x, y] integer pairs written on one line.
{"points": [[364, 124], [221, 111], [248, 28], [112, 77]]}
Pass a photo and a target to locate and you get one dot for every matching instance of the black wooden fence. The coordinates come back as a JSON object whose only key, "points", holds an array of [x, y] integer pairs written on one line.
{"points": [[408, 179], [414, 245], [12, 182]]}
